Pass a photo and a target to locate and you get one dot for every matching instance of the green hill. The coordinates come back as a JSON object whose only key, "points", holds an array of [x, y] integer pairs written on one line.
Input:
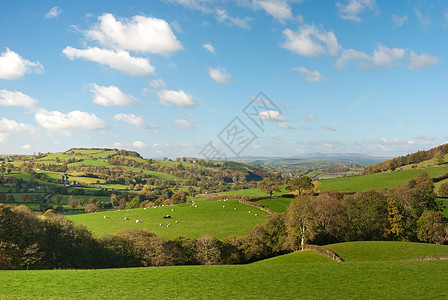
{"points": [[299, 257]]}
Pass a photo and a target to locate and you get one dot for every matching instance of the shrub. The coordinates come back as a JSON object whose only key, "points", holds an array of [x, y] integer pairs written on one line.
{"points": [[443, 190], [90, 208]]}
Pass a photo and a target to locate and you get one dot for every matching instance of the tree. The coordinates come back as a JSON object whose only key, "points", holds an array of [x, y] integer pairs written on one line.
{"points": [[73, 203], [443, 190], [300, 222], [439, 158], [207, 250], [24, 197], [431, 227], [270, 185], [91, 207], [300, 184]]}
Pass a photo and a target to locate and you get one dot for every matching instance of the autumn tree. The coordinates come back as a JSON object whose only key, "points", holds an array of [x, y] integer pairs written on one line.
{"points": [[92, 207], [300, 222], [431, 227], [443, 190], [300, 184], [270, 185]]}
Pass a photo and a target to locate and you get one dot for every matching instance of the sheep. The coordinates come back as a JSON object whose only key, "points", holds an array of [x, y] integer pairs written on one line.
{"points": [[137, 221], [126, 218], [144, 208], [256, 214], [169, 224], [195, 206], [223, 206], [234, 208], [105, 217], [160, 224], [172, 209], [177, 222]]}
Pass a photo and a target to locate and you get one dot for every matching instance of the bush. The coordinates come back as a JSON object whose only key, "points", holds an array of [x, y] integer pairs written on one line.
{"points": [[443, 190]]}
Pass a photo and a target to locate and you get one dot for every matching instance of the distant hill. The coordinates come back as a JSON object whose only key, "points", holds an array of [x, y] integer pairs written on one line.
{"points": [[432, 157]]}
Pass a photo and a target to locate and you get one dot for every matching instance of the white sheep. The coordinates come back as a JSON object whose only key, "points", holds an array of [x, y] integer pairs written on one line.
{"points": [[126, 218], [195, 206], [105, 217], [177, 222], [234, 208], [172, 209], [137, 221], [160, 224], [223, 206], [169, 224], [144, 208], [256, 214], [249, 211]]}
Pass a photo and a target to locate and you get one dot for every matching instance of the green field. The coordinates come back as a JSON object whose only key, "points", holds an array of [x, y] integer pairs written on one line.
{"points": [[278, 204], [256, 192], [384, 251], [208, 217], [356, 280], [379, 180]]}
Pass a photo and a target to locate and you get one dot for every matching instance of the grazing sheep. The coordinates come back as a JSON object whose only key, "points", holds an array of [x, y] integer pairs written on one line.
{"points": [[195, 206], [172, 209], [234, 208], [223, 206], [177, 222], [167, 217], [256, 214], [105, 217], [126, 218], [144, 208], [137, 221], [249, 211], [169, 224], [160, 224]]}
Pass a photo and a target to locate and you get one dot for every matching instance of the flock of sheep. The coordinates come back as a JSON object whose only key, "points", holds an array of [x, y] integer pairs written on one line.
{"points": [[169, 217]]}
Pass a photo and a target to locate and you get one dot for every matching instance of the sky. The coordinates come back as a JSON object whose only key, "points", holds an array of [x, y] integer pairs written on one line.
{"points": [[217, 79]]}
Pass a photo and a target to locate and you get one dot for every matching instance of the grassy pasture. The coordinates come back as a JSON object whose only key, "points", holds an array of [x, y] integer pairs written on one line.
{"points": [[356, 280], [208, 217], [278, 204], [384, 251], [256, 192], [379, 180]]}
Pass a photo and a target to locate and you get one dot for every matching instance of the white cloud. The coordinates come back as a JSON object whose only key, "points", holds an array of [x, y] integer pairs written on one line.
{"points": [[209, 47], [311, 76], [119, 60], [13, 66], [183, 124], [74, 120], [7, 127], [157, 83], [112, 96], [139, 145], [329, 128], [311, 41], [179, 98], [284, 125], [272, 115], [351, 9], [137, 121], [142, 34], [222, 16], [219, 75], [26, 147], [309, 118], [421, 62], [117, 145], [425, 137], [54, 12], [425, 21], [399, 21], [8, 98], [279, 9], [382, 57]]}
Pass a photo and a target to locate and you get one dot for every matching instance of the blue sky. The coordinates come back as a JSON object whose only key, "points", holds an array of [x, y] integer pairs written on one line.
{"points": [[175, 77]]}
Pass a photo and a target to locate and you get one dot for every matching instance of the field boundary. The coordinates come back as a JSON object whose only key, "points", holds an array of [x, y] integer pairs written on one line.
{"points": [[430, 257], [321, 250], [257, 205]]}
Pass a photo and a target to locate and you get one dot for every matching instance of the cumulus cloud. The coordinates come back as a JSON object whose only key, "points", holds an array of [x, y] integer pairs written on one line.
{"points": [[311, 41], [425, 21], [26, 147], [399, 21], [139, 145], [329, 128], [272, 115], [7, 127], [180, 98], [309, 118], [8, 98], [157, 83], [137, 121], [311, 76], [209, 47], [74, 120], [222, 16], [142, 34], [13, 66], [421, 62], [279, 9], [112, 96], [382, 57], [182, 124], [118, 60], [425, 137], [284, 125], [54, 12], [352, 9], [219, 75]]}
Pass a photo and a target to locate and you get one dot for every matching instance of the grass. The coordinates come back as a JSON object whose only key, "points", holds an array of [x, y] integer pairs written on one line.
{"points": [[361, 280], [379, 180], [208, 218], [384, 251], [256, 192], [307, 256], [278, 204]]}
